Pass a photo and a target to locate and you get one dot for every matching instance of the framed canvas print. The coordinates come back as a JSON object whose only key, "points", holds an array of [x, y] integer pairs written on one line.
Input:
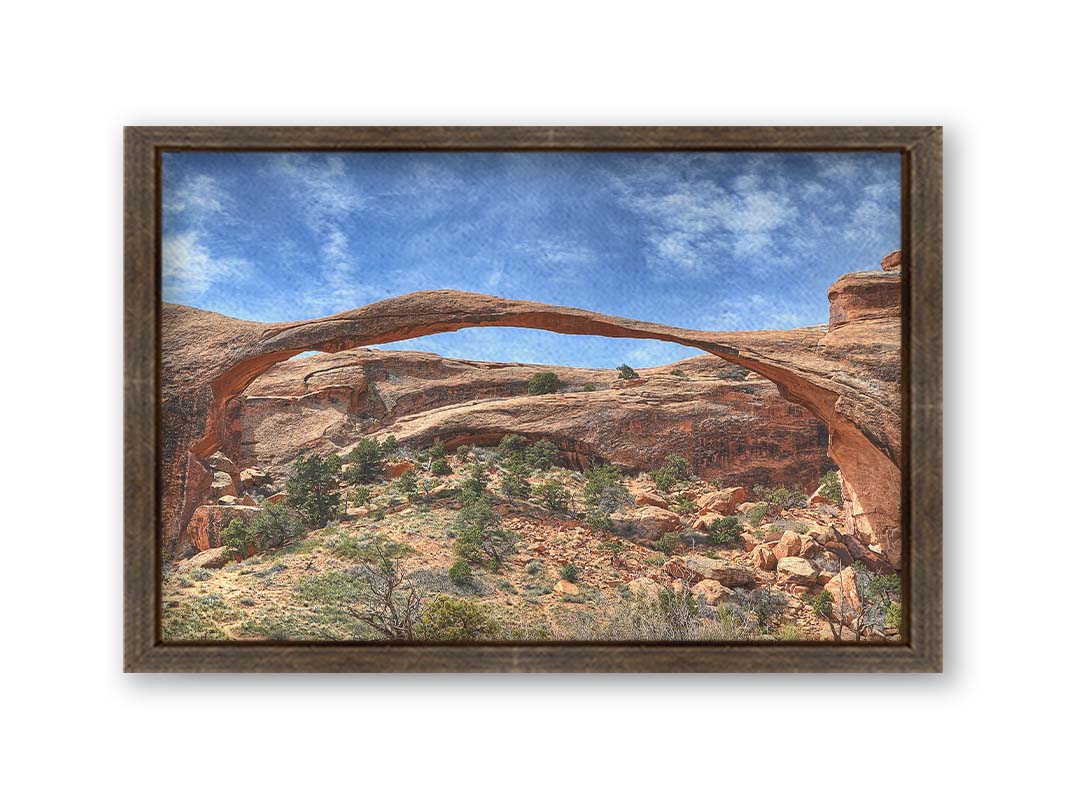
{"points": [[533, 399]]}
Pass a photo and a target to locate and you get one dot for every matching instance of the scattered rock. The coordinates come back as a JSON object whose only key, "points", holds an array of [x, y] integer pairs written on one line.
{"points": [[213, 558], [277, 497], [748, 541], [650, 499], [693, 569], [712, 592], [723, 501], [846, 594], [566, 587], [253, 476], [705, 520], [789, 545], [648, 522], [794, 571], [644, 587], [763, 558]]}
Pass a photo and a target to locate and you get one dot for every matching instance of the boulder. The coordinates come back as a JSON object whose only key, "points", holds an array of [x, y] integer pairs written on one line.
{"points": [[213, 558], [705, 520], [222, 484], [840, 550], [763, 558], [395, 469], [650, 499], [711, 592], [644, 587], [748, 541], [253, 476], [818, 500], [794, 571], [892, 262], [646, 522], [789, 545], [566, 587], [809, 548], [724, 501], [277, 497], [693, 569], [207, 522], [220, 462], [227, 500], [846, 594]]}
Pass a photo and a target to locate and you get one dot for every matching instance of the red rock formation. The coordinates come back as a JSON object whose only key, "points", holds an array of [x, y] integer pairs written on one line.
{"points": [[847, 375], [729, 428]]}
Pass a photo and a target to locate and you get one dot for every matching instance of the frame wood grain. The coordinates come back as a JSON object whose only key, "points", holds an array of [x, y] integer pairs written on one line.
{"points": [[921, 649]]}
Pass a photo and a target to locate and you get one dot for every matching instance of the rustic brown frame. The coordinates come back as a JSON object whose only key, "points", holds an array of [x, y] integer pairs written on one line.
{"points": [[921, 151]]}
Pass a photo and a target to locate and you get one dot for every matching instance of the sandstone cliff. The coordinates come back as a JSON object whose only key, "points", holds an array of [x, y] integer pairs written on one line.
{"points": [[847, 375]]}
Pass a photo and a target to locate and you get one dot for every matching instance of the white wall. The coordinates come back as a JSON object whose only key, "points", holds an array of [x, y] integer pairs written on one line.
{"points": [[73, 74]]}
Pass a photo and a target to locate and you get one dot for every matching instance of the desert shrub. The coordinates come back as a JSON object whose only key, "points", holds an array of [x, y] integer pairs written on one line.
{"points": [[614, 549], [823, 604], [364, 462], [678, 373], [674, 471], [626, 372], [436, 450], [463, 452], [313, 489], [360, 496], [599, 521], [542, 454], [734, 373], [368, 549], [544, 383], [683, 505], [273, 527], [390, 446], [893, 614], [781, 497], [476, 481], [569, 572], [554, 495], [453, 619], [200, 574], [515, 483], [460, 573], [479, 537], [387, 603], [791, 633], [440, 467], [726, 530], [756, 514], [407, 484], [668, 543], [830, 487], [377, 514], [534, 567], [762, 606], [512, 444], [603, 490], [589, 388]]}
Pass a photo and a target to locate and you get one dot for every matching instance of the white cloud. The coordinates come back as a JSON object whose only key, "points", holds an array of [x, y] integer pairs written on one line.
{"points": [[190, 268]]}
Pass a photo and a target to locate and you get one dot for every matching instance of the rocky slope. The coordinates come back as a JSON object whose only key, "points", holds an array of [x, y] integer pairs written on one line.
{"points": [[730, 426], [847, 375]]}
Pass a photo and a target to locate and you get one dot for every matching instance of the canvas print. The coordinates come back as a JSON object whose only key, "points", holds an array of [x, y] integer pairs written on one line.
{"points": [[528, 396]]}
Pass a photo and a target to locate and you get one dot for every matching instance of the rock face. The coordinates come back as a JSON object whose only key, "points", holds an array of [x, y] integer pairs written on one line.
{"points": [[847, 375], [207, 523], [728, 427]]}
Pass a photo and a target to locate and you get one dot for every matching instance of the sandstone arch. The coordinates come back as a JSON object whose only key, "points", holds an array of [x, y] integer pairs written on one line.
{"points": [[847, 374]]}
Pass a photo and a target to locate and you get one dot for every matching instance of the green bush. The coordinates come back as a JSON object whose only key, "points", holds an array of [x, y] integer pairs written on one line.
{"points": [[453, 619], [440, 467], [512, 444], [479, 537], [603, 490], [554, 495], [407, 484], [365, 463], [830, 487], [460, 573], [724, 531], [476, 481], [893, 615], [542, 454], [390, 446], [823, 605], [534, 566], [273, 527], [599, 521], [734, 373], [683, 505], [626, 372], [360, 496], [544, 383], [569, 572], [436, 450], [313, 489], [668, 543], [514, 483], [781, 497], [589, 388], [674, 471], [463, 452], [678, 373]]}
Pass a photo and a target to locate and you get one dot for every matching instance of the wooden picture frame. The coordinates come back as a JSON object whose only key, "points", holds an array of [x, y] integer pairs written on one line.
{"points": [[921, 647]]}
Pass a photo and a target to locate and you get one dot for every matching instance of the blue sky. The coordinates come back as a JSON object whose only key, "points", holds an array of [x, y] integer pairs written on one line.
{"points": [[715, 241]]}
